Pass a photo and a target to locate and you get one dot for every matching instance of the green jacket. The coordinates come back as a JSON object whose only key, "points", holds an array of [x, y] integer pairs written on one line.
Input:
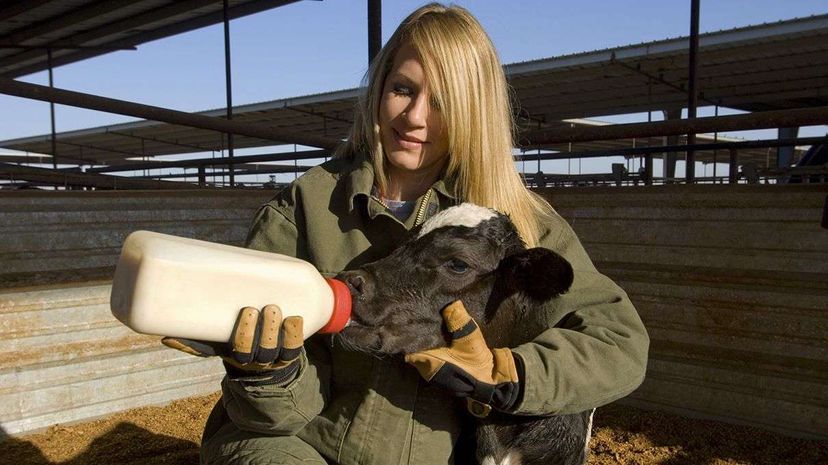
{"points": [[356, 409]]}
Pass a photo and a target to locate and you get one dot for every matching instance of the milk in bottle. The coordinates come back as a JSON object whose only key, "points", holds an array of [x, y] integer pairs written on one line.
{"points": [[173, 286]]}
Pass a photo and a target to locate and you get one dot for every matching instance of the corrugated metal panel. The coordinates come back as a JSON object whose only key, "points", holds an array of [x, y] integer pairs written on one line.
{"points": [[60, 236], [63, 356], [732, 284], [731, 281]]}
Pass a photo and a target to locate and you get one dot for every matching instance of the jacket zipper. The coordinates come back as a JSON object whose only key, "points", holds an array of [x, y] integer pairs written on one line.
{"points": [[379, 200], [421, 211]]}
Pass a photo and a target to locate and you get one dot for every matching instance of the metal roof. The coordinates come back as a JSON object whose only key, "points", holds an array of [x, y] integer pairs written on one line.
{"points": [[80, 29], [770, 66]]}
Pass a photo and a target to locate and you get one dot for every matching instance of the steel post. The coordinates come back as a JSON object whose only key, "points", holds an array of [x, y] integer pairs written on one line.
{"points": [[648, 169], [229, 90], [692, 92], [52, 109], [784, 155], [202, 176], [669, 170], [733, 175], [374, 28]]}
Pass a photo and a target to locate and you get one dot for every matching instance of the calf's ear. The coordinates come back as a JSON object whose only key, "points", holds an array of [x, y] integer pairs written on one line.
{"points": [[539, 273]]}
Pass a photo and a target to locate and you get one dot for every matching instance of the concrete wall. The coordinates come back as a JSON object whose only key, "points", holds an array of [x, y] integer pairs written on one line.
{"points": [[732, 282]]}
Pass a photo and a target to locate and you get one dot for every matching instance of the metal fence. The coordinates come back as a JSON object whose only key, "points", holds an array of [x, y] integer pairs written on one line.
{"points": [[731, 281]]}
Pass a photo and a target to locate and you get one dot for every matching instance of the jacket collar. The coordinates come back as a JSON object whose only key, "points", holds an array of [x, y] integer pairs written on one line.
{"points": [[360, 179], [360, 183]]}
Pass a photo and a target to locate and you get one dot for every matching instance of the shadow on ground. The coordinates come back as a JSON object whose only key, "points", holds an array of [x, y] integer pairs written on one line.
{"points": [[627, 435], [125, 444]]}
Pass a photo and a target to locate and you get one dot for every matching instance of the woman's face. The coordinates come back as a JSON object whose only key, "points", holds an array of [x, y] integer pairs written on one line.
{"points": [[410, 126]]}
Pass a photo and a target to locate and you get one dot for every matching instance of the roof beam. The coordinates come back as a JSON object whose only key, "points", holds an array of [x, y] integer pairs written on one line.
{"points": [[769, 77], [759, 120], [13, 9], [61, 46], [36, 159], [789, 54], [53, 26], [656, 49], [101, 149], [118, 27], [709, 147], [66, 160], [137, 22], [637, 99], [288, 156], [161, 141], [122, 107], [263, 169], [100, 181], [322, 115]]}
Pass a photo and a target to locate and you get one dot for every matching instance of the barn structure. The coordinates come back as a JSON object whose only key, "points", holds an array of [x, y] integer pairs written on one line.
{"points": [[728, 271]]}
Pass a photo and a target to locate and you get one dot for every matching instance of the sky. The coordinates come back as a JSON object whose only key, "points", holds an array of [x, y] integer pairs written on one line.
{"points": [[318, 46]]}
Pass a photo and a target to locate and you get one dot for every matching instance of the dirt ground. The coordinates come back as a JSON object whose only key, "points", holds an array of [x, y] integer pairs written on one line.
{"points": [[622, 435]]}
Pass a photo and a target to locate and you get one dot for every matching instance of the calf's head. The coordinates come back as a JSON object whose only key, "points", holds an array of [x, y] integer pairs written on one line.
{"points": [[467, 253]]}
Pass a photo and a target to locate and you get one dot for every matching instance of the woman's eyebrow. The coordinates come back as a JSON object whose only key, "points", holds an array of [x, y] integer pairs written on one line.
{"points": [[404, 78]]}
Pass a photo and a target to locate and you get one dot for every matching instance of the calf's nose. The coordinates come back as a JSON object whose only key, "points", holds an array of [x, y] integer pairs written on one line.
{"points": [[355, 281]]}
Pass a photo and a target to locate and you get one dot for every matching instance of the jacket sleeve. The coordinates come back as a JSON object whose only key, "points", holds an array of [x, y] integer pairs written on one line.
{"points": [[274, 409], [595, 350]]}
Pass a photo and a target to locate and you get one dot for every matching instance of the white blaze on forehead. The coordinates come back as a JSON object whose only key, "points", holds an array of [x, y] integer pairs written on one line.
{"points": [[467, 214]]}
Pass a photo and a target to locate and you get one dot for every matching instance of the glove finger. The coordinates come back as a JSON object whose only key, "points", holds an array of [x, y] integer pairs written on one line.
{"points": [[270, 322], [292, 339], [194, 347], [245, 335], [458, 321], [467, 342]]}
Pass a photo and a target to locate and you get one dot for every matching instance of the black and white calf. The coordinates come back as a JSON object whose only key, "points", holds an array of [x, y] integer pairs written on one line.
{"points": [[473, 254]]}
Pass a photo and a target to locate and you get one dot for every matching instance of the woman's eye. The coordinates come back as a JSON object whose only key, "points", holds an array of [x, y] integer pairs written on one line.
{"points": [[400, 89], [458, 266]]}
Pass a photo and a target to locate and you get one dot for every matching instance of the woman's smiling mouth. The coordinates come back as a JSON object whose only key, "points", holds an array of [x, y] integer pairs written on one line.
{"points": [[408, 142]]}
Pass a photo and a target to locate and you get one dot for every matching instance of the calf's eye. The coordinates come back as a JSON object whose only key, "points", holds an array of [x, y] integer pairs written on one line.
{"points": [[458, 266]]}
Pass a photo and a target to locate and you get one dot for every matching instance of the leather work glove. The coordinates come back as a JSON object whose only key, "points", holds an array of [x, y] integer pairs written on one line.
{"points": [[468, 367], [262, 346]]}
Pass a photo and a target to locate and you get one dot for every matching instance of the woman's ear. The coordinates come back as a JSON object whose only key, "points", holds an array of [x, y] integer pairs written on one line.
{"points": [[538, 273]]}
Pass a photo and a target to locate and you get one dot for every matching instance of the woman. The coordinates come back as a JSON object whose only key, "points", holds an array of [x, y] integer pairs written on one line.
{"points": [[433, 129]]}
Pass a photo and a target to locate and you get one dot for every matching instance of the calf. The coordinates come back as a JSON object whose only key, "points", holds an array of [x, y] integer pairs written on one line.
{"points": [[475, 255]]}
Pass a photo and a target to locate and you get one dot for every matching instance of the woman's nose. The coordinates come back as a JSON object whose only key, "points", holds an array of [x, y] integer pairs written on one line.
{"points": [[417, 112]]}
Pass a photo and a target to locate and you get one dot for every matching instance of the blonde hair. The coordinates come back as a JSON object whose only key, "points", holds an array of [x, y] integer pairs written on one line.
{"points": [[469, 88]]}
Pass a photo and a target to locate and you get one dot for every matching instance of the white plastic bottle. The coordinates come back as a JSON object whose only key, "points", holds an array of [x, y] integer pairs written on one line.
{"points": [[173, 286]]}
